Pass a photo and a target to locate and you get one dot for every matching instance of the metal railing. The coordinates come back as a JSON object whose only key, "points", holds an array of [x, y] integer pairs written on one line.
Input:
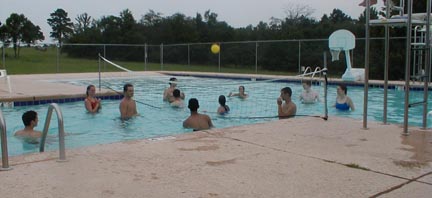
{"points": [[5, 159], [62, 152]]}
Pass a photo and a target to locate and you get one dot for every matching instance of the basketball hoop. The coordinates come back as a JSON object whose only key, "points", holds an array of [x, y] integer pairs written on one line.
{"points": [[335, 54]]}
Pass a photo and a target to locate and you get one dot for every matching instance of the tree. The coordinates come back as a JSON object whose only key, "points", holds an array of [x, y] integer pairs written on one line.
{"points": [[61, 25], [84, 22], [31, 33], [296, 11], [14, 28]]}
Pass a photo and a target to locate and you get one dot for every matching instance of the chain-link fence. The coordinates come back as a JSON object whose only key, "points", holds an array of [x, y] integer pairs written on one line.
{"points": [[287, 57]]}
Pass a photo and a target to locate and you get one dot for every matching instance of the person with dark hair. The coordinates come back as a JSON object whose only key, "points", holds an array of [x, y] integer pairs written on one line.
{"points": [[289, 108], [343, 102], [92, 104], [177, 102], [223, 108], [241, 94], [308, 95], [168, 93], [30, 121], [197, 121], [128, 105]]}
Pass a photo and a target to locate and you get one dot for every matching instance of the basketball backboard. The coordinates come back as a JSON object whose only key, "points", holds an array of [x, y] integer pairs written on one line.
{"points": [[342, 40]]}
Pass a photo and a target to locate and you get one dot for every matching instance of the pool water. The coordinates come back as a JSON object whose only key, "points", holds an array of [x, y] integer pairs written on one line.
{"points": [[84, 129]]}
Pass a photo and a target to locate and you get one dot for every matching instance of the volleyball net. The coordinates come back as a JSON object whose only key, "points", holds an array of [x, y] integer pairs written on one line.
{"points": [[260, 103]]}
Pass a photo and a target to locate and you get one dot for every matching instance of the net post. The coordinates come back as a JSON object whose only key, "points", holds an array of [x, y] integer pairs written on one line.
{"points": [[99, 68]]}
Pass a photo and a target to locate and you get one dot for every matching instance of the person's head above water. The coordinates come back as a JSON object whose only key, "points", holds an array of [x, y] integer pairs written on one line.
{"points": [[222, 100], [90, 88], [28, 117], [171, 81], [193, 104], [176, 93]]}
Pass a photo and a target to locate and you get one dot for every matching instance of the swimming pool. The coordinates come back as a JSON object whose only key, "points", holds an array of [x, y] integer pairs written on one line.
{"points": [[85, 129]]}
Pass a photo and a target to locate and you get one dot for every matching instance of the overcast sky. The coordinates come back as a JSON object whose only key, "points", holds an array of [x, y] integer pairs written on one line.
{"points": [[237, 13]]}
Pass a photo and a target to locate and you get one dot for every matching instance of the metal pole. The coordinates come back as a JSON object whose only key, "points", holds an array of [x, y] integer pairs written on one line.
{"points": [[5, 159], [99, 68], [299, 55], [407, 67], [161, 56], [3, 55], [256, 57], [219, 55], [366, 84], [188, 54], [427, 64], [58, 58], [104, 55], [386, 63], [145, 57]]}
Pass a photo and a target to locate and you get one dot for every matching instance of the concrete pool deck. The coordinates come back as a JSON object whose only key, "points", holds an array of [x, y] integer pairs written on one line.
{"points": [[299, 157]]}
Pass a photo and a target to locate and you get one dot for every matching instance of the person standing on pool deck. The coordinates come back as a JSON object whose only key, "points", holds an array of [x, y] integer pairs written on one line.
{"points": [[343, 102], [197, 121], [289, 108], [92, 104], [128, 105], [168, 93]]}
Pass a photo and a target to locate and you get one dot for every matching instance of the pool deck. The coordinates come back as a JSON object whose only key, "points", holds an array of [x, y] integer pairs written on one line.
{"points": [[298, 157]]}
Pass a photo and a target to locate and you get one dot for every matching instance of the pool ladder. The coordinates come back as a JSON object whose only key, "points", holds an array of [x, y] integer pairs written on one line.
{"points": [[61, 133], [5, 159], [62, 152]]}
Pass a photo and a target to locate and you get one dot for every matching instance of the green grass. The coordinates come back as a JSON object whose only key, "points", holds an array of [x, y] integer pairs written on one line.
{"points": [[32, 61]]}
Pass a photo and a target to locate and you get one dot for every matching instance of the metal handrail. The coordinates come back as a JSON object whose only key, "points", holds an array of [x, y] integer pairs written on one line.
{"points": [[62, 153], [5, 159]]}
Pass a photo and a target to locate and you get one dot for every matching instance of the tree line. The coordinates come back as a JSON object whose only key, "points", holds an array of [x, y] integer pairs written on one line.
{"points": [[154, 29]]}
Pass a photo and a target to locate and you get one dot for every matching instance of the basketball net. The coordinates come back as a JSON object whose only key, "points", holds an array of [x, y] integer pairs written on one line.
{"points": [[335, 54]]}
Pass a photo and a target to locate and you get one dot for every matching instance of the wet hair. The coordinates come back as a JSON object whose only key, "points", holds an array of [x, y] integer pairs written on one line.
{"points": [[308, 83], [29, 116], [193, 104], [176, 93], [242, 87], [344, 88], [172, 79], [126, 86], [222, 101], [287, 90], [88, 89]]}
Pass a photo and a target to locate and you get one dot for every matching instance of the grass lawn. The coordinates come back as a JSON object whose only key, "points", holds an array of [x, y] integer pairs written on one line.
{"points": [[32, 61]]}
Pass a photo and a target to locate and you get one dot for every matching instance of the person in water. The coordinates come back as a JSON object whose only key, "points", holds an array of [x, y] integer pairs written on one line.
{"points": [[128, 105], [30, 121], [289, 108], [343, 102], [223, 108], [92, 104], [168, 93], [308, 95], [241, 94], [177, 102], [197, 121]]}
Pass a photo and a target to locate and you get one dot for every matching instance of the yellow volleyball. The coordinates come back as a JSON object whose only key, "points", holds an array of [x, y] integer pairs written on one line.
{"points": [[215, 48]]}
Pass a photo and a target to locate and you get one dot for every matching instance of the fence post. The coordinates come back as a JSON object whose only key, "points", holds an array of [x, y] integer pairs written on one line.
{"points": [[256, 57], [145, 57], [3, 55], [104, 52], [219, 55], [161, 56], [299, 57], [58, 58], [188, 54]]}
